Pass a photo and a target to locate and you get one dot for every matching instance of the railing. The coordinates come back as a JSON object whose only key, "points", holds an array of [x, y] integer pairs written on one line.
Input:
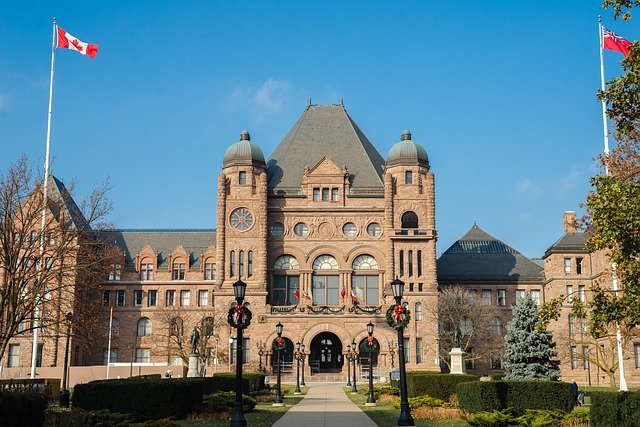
{"points": [[326, 309], [412, 232], [285, 368]]}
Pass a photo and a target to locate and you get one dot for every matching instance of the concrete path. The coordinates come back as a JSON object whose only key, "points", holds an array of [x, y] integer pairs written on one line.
{"points": [[325, 404]]}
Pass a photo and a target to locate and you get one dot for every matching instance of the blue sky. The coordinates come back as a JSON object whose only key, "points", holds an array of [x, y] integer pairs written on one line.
{"points": [[501, 94]]}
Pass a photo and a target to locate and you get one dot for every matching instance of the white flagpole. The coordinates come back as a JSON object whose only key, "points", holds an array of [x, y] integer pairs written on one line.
{"points": [[604, 105], [45, 191], [623, 381], [109, 345]]}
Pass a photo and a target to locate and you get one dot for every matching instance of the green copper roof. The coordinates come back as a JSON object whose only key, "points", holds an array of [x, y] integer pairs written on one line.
{"points": [[243, 152], [407, 151]]}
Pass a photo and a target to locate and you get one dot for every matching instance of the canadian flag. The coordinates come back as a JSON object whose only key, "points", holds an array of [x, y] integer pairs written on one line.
{"points": [[67, 41]]}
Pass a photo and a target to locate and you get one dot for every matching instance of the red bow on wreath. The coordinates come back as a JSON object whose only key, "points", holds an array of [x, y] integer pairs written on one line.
{"points": [[279, 341], [398, 313], [239, 313], [370, 341]]}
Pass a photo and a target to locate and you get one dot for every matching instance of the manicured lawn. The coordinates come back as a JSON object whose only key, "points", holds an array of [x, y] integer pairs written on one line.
{"points": [[385, 414], [264, 414]]}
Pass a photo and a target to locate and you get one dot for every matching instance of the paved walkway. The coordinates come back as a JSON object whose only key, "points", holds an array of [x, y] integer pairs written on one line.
{"points": [[325, 404]]}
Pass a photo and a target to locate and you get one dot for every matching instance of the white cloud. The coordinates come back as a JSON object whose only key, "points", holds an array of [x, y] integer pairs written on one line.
{"points": [[263, 102], [527, 187]]}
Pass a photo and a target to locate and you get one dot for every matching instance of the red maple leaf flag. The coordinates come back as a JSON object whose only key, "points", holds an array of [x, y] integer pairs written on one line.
{"points": [[67, 41], [611, 41]]}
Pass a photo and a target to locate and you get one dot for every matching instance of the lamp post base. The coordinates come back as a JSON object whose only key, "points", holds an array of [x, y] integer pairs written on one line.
{"points": [[371, 404], [64, 399], [277, 404]]}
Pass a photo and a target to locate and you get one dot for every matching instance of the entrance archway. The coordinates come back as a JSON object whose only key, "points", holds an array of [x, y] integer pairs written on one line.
{"points": [[326, 353], [364, 354], [286, 357]]}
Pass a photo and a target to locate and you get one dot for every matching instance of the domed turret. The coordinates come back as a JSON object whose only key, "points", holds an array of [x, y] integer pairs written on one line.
{"points": [[243, 152], [407, 152]]}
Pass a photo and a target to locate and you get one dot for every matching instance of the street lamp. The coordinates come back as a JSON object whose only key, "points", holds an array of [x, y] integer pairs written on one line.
{"points": [[64, 393], [405, 419], [392, 353], [239, 317], [354, 356], [371, 400], [304, 356], [347, 356], [260, 346], [297, 391], [278, 401]]}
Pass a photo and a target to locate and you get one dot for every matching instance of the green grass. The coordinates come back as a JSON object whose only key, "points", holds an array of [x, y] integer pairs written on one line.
{"points": [[385, 414], [264, 414]]}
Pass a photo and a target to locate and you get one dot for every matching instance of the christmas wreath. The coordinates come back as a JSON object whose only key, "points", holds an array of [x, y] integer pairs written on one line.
{"points": [[278, 344], [351, 355], [398, 316], [371, 345], [300, 355], [239, 317]]}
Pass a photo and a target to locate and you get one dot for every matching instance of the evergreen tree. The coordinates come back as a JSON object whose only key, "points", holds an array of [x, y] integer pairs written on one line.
{"points": [[528, 350]]}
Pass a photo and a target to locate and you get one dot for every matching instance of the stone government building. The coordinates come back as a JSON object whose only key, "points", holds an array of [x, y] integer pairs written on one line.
{"points": [[327, 216]]}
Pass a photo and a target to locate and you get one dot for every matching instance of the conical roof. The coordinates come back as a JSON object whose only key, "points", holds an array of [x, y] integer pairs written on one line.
{"points": [[479, 257], [325, 130]]}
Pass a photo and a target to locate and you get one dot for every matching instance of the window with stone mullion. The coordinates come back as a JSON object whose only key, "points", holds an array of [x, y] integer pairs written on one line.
{"points": [[325, 290], [368, 284], [283, 289]]}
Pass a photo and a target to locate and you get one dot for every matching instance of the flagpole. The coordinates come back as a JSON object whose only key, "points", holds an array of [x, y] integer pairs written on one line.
{"points": [[604, 104], [109, 345], [45, 192], [623, 381]]}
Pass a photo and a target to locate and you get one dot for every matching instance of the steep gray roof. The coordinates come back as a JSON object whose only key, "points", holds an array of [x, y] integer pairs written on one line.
{"points": [[478, 256], [163, 242], [569, 242], [61, 203], [325, 130]]}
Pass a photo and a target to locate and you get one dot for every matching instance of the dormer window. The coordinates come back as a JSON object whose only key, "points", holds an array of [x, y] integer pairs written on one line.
{"points": [[146, 271], [242, 178], [325, 194], [408, 177], [334, 194], [115, 272], [177, 271], [316, 194]]}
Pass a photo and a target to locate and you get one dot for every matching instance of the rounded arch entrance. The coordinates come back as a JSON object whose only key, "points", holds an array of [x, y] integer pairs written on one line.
{"points": [[364, 354], [326, 353], [286, 355]]}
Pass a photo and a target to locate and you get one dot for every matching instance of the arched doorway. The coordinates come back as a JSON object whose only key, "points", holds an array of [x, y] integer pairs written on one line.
{"points": [[364, 354], [286, 357], [326, 353]]}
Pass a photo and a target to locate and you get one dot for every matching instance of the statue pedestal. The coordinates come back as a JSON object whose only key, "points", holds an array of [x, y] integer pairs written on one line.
{"points": [[193, 366], [457, 361]]}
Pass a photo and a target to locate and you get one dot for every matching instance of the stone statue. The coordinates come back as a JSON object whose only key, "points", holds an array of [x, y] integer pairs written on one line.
{"points": [[457, 338], [194, 338]]}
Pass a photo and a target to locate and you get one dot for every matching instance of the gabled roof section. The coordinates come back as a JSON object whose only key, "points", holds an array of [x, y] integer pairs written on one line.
{"points": [[61, 204], [163, 242], [479, 257], [325, 130], [569, 243]]}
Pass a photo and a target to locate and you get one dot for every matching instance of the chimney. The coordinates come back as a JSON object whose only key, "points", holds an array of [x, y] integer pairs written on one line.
{"points": [[569, 222]]}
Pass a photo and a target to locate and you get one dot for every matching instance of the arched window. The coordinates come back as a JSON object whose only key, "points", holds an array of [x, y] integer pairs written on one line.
{"points": [[419, 262], [177, 270], [365, 282], [409, 220], [146, 270], [249, 263], [408, 177], [176, 327], [232, 264], [410, 256], [144, 327], [325, 285], [241, 263], [496, 326], [286, 281]]}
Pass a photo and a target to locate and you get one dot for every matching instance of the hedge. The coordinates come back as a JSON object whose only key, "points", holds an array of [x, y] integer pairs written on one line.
{"points": [[21, 408], [440, 386], [481, 396], [252, 382], [143, 399], [611, 408]]}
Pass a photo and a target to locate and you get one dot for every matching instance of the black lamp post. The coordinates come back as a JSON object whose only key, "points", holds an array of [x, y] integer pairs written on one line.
{"points": [[354, 355], [260, 346], [278, 401], [405, 419], [131, 364], [392, 353], [297, 391], [304, 356], [371, 400], [64, 393], [347, 356], [239, 289]]}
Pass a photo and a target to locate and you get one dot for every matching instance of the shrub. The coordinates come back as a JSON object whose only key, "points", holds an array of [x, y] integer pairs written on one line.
{"points": [[579, 417], [146, 377], [482, 396], [22, 408], [58, 417], [165, 422], [387, 389], [493, 419], [143, 399], [252, 382], [507, 417], [420, 401], [440, 386], [609, 408], [224, 401]]}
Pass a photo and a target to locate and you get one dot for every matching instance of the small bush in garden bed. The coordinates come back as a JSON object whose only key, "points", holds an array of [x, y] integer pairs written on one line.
{"points": [[579, 417], [417, 402], [59, 417], [437, 413], [224, 401]]}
